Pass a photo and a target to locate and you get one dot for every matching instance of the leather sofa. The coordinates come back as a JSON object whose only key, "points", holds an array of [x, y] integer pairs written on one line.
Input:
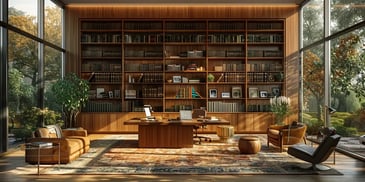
{"points": [[72, 143], [286, 135]]}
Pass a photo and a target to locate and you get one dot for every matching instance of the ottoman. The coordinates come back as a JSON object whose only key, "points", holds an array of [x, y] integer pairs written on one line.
{"points": [[225, 132], [249, 145]]}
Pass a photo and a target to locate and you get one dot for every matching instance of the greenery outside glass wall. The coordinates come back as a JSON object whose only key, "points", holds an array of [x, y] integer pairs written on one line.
{"points": [[52, 23], [313, 88], [313, 25], [23, 15], [33, 67], [348, 83], [347, 88], [345, 13]]}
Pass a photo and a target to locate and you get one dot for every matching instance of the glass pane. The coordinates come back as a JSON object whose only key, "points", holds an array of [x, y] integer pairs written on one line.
{"points": [[53, 23], [345, 14], [313, 88], [348, 83], [22, 86], [23, 14], [313, 26], [52, 72]]}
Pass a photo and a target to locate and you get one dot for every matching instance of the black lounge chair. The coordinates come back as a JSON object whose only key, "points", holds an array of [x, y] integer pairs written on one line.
{"points": [[315, 156]]}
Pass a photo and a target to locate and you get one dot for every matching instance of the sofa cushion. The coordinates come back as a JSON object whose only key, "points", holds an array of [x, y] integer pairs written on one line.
{"points": [[55, 130]]}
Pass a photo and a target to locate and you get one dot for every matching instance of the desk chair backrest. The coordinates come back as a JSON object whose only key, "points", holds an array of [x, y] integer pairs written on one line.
{"points": [[325, 148], [197, 113]]}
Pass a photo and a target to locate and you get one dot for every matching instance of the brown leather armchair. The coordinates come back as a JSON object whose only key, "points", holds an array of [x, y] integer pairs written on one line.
{"points": [[72, 143], [315, 156], [286, 135]]}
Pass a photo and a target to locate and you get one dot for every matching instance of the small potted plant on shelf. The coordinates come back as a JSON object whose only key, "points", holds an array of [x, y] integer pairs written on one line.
{"points": [[280, 107], [72, 93]]}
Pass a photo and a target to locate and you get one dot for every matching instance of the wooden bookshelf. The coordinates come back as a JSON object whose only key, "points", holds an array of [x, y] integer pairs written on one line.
{"points": [[165, 62]]}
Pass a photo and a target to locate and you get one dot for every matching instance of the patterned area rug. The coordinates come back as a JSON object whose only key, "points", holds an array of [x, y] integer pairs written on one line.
{"points": [[119, 154]]}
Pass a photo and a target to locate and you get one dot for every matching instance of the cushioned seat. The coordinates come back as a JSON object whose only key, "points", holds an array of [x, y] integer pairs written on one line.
{"points": [[286, 135]]}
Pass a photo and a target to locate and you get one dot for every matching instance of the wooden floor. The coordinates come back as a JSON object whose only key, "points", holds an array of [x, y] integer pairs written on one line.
{"points": [[353, 170]]}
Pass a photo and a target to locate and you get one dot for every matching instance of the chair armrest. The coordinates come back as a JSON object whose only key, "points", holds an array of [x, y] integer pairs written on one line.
{"points": [[276, 127]]}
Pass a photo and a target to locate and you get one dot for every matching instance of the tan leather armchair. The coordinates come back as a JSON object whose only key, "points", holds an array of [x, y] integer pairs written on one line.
{"points": [[286, 135], [72, 143]]}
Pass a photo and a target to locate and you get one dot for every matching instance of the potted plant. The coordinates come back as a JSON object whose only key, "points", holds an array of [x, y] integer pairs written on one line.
{"points": [[280, 107], [72, 93]]}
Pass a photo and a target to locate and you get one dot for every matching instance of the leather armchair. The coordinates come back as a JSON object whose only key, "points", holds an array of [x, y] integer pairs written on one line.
{"points": [[315, 156], [72, 143], [286, 135]]}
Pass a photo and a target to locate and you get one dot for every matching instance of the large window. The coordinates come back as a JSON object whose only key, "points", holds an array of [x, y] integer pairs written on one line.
{"points": [[345, 13], [313, 26], [34, 63], [313, 88], [346, 65], [52, 23], [23, 15]]}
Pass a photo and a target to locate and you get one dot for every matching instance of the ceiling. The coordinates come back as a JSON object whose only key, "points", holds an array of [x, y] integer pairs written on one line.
{"points": [[192, 2]]}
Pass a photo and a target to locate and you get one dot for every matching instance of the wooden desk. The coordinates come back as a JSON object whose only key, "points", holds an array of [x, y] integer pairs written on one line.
{"points": [[167, 134]]}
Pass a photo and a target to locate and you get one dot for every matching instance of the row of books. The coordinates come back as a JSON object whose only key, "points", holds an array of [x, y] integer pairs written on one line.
{"points": [[258, 108], [143, 67], [153, 92], [101, 66], [265, 26], [264, 53], [220, 106], [264, 67], [105, 77], [226, 25], [185, 26], [270, 38], [156, 53], [187, 92], [232, 77], [264, 77], [92, 25], [230, 67], [226, 38], [100, 37], [143, 25], [101, 51], [146, 78], [143, 38], [93, 106], [226, 53]]}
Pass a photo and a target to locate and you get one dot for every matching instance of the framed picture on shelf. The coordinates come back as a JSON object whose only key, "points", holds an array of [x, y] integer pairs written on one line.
{"points": [[110, 94], [236, 92], [263, 94], [226, 95], [213, 93], [176, 79], [253, 92], [276, 91]]}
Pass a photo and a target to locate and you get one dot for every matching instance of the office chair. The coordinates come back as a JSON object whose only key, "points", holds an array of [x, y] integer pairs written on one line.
{"points": [[200, 113]]}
